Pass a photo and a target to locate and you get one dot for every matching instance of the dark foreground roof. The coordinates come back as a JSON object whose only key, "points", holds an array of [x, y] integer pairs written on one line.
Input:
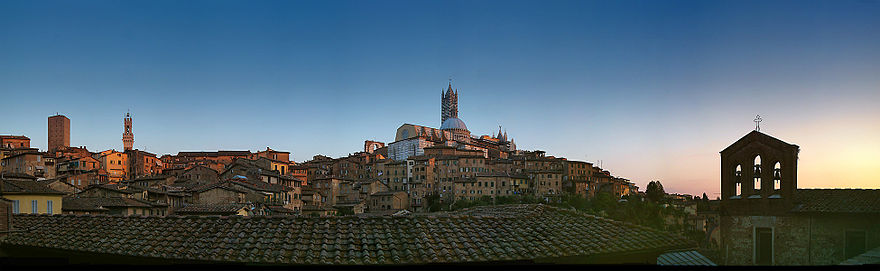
{"points": [[687, 258], [499, 233], [214, 209], [869, 257], [864, 201], [100, 204]]}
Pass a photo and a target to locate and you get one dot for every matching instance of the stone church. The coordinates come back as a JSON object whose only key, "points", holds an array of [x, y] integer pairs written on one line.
{"points": [[411, 140], [767, 220]]}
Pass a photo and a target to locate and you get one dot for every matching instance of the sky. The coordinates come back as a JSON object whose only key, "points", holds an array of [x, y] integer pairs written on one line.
{"points": [[653, 89]]}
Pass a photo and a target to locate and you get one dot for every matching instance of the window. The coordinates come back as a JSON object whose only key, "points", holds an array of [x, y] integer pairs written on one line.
{"points": [[855, 243], [763, 246], [15, 206], [34, 206], [777, 177], [757, 173], [738, 178], [49, 207]]}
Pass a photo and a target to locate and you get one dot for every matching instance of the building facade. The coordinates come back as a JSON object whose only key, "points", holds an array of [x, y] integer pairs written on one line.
{"points": [[14, 142]]}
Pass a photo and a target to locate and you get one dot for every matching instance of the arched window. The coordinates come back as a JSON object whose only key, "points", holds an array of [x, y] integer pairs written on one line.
{"points": [[757, 173], [738, 178], [777, 177]]}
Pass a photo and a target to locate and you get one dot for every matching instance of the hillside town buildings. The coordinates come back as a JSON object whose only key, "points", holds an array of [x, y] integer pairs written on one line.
{"points": [[447, 162], [421, 167], [762, 217]]}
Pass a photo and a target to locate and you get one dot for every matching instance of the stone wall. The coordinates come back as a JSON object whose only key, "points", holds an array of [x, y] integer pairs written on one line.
{"points": [[797, 239]]}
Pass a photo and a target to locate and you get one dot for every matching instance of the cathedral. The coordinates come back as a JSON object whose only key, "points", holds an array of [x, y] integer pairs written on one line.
{"points": [[410, 139]]}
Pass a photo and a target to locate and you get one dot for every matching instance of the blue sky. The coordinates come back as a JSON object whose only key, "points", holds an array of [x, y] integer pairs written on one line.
{"points": [[653, 88]]}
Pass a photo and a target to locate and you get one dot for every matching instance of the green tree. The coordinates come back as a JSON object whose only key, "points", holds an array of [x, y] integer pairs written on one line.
{"points": [[344, 212], [655, 192], [433, 203]]}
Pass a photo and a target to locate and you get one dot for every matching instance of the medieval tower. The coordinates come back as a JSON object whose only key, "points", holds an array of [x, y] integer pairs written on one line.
{"points": [[127, 136], [59, 132]]}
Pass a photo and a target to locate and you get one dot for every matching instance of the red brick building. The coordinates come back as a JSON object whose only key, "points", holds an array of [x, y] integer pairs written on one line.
{"points": [[59, 132], [14, 142]]}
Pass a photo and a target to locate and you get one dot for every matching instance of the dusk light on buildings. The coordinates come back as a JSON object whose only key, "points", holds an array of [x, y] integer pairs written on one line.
{"points": [[394, 133]]}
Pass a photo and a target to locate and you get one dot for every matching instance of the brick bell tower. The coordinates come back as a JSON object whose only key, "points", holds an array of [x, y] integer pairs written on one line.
{"points": [[127, 136], [758, 176]]}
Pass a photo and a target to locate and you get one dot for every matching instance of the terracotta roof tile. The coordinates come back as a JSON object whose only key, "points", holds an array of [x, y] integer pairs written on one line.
{"points": [[838, 200], [100, 204], [27, 187], [499, 233], [216, 209]]}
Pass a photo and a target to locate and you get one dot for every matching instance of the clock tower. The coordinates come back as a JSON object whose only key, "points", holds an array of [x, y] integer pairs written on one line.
{"points": [[127, 136]]}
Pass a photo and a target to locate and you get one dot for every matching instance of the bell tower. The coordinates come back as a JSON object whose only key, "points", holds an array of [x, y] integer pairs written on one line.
{"points": [[127, 135], [448, 104], [758, 175]]}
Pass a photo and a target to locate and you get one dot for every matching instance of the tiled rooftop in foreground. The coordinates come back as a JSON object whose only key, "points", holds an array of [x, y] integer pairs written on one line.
{"points": [[536, 233]]}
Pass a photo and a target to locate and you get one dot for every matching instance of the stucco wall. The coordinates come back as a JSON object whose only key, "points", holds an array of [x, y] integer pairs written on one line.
{"points": [[25, 202]]}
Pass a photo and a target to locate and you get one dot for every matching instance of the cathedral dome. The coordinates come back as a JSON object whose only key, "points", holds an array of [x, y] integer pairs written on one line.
{"points": [[453, 124]]}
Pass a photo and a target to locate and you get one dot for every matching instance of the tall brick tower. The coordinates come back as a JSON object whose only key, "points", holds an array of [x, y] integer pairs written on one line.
{"points": [[127, 136], [59, 132], [448, 104]]}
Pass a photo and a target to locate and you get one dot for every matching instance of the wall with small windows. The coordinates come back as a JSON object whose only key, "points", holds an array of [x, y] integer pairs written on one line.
{"points": [[45, 204]]}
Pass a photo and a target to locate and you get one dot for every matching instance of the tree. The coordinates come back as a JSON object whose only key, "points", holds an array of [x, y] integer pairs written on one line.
{"points": [[655, 192], [432, 201]]}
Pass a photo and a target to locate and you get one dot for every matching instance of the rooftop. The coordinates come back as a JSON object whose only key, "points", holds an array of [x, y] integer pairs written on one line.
{"points": [[216, 209], [492, 233], [100, 204], [687, 258], [838, 200], [453, 124], [27, 187]]}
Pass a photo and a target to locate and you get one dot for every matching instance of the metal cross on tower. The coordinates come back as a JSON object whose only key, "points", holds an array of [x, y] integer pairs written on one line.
{"points": [[757, 123]]}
